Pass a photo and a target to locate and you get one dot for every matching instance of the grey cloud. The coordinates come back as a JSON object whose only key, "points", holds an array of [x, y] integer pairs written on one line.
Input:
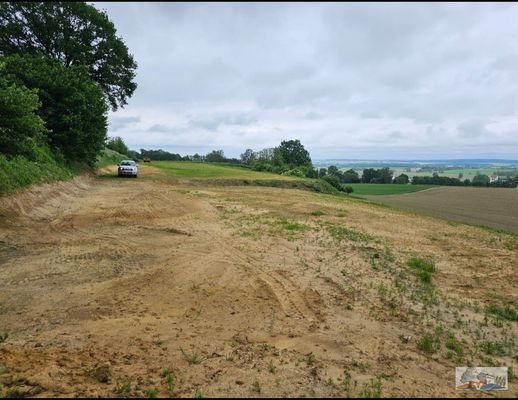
{"points": [[313, 116], [212, 123], [473, 128], [425, 69], [118, 123], [159, 128]]}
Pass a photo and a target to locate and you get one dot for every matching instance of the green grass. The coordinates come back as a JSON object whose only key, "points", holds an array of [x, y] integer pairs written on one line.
{"points": [[20, 172], [506, 312], [423, 268], [109, 157], [375, 189], [183, 169], [429, 344]]}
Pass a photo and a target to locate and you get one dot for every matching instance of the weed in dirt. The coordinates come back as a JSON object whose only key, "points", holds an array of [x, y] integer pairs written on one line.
{"points": [[318, 213], [372, 389], [340, 233], [3, 336], [493, 348], [507, 312], [256, 386], [454, 345], [271, 368], [423, 269], [197, 394], [310, 359], [195, 287], [151, 393], [193, 358], [230, 356], [429, 344], [122, 388], [345, 383], [169, 379]]}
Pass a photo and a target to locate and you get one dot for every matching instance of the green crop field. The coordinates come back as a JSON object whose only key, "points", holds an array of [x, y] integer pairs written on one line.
{"points": [[385, 189], [182, 169]]}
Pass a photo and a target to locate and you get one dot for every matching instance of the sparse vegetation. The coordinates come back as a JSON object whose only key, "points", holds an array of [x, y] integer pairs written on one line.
{"points": [[372, 389], [151, 393], [169, 379], [429, 344], [310, 359], [423, 269], [507, 312], [122, 388], [193, 358], [3, 336]]}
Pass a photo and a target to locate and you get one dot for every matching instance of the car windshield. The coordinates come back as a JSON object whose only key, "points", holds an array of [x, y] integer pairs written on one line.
{"points": [[127, 162]]}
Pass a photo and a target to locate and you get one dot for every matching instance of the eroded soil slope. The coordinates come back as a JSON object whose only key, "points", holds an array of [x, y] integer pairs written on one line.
{"points": [[136, 287]]}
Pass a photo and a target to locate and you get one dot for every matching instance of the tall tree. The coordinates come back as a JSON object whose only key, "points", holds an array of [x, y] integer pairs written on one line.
{"points": [[74, 33], [72, 105], [294, 154]]}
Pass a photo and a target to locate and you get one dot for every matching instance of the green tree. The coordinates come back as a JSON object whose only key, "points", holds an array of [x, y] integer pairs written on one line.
{"points": [[480, 180], [118, 145], [72, 105], [75, 34], [247, 157], [20, 127], [294, 154], [402, 179], [215, 156]]}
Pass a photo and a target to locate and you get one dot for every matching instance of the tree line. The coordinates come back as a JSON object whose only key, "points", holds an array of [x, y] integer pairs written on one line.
{"points": [[62, 67]]}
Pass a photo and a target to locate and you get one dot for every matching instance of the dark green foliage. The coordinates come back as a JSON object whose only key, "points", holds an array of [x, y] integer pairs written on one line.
{"points": [[401, 179], [293, 153], [20, 126], [453, 344], [75, 34], [215, 156], [118, 145], [333, 181], [348, 189], [480, 180], [382, 175], [439, 180], [72, 105]]}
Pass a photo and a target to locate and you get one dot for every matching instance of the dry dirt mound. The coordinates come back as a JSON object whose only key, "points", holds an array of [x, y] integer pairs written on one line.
{"points": [[124, 287]]}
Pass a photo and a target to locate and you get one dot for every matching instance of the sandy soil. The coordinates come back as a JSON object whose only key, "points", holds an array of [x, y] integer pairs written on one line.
{"points": [[239, 291]]}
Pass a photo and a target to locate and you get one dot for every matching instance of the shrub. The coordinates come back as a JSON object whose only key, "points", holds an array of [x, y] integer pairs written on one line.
{"points": [[423, 268]]}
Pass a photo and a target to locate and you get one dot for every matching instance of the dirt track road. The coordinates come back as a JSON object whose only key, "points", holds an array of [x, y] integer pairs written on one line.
{"points": [[106, 282]]}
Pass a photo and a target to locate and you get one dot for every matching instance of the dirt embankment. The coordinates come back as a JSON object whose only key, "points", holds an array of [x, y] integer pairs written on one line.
{"points": [[134, 287]]}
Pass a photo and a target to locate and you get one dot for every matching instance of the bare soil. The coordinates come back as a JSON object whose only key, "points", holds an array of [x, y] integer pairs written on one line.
{"points": [[492, 207], [240, 291]]}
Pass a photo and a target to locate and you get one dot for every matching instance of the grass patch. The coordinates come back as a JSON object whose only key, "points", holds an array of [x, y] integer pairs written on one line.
{"points": [[341, 233], [507, 312], [186, 169], [318, 213], [376, 189], [454, 345], [423, 269], [372, 389], [19, 172], [109, 157], [429, 344]]}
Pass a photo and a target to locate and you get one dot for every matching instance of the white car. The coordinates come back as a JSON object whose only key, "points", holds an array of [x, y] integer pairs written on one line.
{"points": [[127, 168]]}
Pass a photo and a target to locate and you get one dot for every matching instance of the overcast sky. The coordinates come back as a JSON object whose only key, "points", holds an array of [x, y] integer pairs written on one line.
{"points": [[352, 80]]}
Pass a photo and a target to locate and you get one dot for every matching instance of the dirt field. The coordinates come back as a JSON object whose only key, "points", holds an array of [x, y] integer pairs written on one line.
{"points": [[493, 207], [151, 286]]}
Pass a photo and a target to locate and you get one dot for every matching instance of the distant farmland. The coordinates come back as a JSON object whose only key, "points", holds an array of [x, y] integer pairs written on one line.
{"points": [[492, 207], [365, 189]]}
